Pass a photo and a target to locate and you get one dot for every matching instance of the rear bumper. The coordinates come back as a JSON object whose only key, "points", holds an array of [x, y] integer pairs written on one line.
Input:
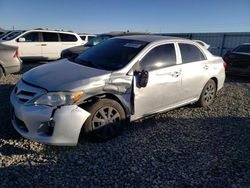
{"points": [[16, 67], [49, 125]]}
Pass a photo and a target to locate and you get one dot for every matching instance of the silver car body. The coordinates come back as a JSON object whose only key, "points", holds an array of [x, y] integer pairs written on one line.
{"points": [[9, 60], [167, 88]]}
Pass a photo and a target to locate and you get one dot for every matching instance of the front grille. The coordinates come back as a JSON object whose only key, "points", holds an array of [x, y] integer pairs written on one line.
{"points": [[24, 96]]}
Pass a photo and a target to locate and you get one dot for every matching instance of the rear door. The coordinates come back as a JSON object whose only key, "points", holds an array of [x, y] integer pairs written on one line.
{"points": [[67, 40], [195, 71], [31, 47], [51, 46], [164, 81]]}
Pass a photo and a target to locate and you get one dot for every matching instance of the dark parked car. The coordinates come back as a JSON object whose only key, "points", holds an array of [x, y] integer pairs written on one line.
{"points": [[74, 51], [238, 60]]}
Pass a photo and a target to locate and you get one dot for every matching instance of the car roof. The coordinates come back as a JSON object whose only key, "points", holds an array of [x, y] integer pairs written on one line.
{"points": [[123, 33], [85, 34], [152, 38], [51, 30]]}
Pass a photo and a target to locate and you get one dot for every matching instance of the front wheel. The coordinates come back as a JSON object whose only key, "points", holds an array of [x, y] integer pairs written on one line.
{"points": [[106, 120], [208, 94]]}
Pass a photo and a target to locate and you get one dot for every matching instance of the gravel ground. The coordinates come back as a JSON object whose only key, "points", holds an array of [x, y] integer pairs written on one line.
{"points": [[186, 147]]}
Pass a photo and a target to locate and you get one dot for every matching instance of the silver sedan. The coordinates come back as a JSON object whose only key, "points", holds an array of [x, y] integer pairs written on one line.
{"points": [[121, 80], [9, 60]]}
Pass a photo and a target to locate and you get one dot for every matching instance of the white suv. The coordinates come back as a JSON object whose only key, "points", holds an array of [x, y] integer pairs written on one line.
{"points": [[41, 44], [86, 37]]}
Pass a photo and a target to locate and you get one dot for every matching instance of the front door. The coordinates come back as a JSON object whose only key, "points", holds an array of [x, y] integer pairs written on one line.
{"points": [[31, 47], [164, 81]]}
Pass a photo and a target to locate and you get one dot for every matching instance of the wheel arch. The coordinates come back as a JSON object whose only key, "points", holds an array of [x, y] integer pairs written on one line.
{"points": [[118, 98], [216, 82]]}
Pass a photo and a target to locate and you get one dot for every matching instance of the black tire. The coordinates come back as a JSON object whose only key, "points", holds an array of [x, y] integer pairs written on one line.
{"points": [[109, 127], [208, 94], [1, 72]]}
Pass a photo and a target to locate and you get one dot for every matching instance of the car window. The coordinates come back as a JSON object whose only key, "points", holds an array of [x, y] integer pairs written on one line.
{"points": [[12, 35], [5, 34], [97, 40], [190, 53], [31, 37], [159, 57], [83, 37], [67, 37], [242, 49], [111, 55], [50, 37]]}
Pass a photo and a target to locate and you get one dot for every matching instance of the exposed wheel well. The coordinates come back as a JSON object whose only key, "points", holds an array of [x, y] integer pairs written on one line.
{"points": [[215, 80], [93, 99]]}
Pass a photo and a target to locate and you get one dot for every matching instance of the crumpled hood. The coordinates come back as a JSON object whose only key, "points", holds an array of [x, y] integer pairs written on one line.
{"points": [[64, 75]]}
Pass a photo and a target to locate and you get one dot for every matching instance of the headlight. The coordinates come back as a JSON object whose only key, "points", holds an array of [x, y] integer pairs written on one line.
{"points": [[58, 98]]}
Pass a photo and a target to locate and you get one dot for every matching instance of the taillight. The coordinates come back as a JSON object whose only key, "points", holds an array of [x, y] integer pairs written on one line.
{"points": [[16, 54], [225, 65], [226, 59]]}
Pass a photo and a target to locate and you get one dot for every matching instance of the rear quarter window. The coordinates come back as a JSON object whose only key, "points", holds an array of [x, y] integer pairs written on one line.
{"points": [[190, 53]]}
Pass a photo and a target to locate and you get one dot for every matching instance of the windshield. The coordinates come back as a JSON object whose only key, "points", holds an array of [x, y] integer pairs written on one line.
{"points": [[12, 35], [5, 34], [111, 55], [97, 40]]}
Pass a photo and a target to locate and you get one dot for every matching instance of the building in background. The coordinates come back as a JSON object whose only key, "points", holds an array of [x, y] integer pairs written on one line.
{"points": [[219, 43]]}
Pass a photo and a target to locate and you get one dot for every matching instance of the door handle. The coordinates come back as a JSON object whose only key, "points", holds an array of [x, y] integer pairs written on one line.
{"points": [[173, 74], [205, 67], [176, 73], [43, 44]]}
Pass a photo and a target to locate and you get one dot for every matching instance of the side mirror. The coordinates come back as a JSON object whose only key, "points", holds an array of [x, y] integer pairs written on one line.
{"points": [[143, 80], [21, 39]]}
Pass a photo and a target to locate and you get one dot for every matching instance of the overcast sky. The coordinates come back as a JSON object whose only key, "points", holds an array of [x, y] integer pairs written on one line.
{"points": [[95, 16]]}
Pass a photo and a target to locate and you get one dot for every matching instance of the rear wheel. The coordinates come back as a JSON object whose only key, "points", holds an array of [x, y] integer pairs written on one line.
{"points": [[208, 94], [106, 120]]}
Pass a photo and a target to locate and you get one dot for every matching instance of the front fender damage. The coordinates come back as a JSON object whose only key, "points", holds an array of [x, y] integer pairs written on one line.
{"points": [[121, 86], [70, 120]]}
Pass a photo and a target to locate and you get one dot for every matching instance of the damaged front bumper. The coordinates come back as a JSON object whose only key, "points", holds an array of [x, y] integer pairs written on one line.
{"points": [[49, 125]]}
